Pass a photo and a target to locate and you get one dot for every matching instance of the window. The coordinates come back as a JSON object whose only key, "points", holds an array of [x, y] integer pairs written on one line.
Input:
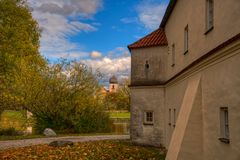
{"points": [[186, 39], [148, 117], [169, 117], [209, 15], [224, 126], [147, 65], [174, 117], [113, 87], [173, 55]]}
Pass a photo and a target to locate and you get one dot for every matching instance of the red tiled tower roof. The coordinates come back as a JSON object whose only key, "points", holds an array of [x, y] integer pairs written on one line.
{"points": [[156, 38]]}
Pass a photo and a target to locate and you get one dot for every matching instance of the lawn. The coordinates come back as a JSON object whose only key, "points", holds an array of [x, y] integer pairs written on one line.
{"points": [[12, 119], [20, 137], [96, 150], [120, 115]]}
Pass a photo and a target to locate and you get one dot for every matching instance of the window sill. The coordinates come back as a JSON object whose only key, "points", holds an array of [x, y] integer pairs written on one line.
{"points": [[209, 30], [185, 52], [224, 140], [148, 124]]}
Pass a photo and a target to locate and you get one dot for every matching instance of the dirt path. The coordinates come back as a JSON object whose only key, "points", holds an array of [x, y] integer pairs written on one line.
{"points": [[36, 141]]}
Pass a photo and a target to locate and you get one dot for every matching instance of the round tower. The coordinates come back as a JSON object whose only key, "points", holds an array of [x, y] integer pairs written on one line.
{"points": [[113, 84]]}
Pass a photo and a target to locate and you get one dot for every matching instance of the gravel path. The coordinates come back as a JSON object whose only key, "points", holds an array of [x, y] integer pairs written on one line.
{"points": [[36, 141]]}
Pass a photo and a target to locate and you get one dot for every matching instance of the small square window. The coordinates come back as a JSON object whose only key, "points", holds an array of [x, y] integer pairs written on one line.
{"points": [[148, 117]]}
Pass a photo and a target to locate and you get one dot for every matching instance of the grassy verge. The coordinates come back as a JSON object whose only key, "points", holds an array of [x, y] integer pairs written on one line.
{"points": [[97, 150], [5, 138], [13, 119], [119, 115]]}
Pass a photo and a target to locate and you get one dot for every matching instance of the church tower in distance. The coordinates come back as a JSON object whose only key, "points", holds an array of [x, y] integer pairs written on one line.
{"points": [[113, 84]]}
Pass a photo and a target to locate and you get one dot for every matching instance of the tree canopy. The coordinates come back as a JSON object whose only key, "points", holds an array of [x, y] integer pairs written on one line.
{"points": [[19, 49]]}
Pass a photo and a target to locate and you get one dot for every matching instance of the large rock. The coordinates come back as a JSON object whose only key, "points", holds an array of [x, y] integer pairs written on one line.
{"points": [[49, 132], [61, 143]]}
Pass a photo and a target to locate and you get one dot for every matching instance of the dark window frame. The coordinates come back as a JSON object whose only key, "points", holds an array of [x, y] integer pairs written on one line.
{"points": [[148, 117], [186, 39], [224, 125], [209, 16], [173, 55]]}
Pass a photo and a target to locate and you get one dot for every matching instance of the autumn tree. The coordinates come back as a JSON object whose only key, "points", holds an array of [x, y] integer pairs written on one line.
{"points": [[19, 45], [119, 100], [65, 100], [60, 96]]}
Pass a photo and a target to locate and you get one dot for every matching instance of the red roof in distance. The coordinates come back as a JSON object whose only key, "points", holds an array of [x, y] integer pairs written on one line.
{"points": [[156, 38]]}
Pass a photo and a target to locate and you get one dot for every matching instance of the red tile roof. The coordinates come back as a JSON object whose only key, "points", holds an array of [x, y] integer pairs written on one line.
{"points": [[156, 38]]}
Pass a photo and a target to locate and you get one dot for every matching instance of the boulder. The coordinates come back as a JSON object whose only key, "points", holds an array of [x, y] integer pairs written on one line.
{"points": [[49, 132], [61, 143]]}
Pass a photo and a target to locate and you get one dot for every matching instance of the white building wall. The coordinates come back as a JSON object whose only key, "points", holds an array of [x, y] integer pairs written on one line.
{"points": [[147, 99], [193, 14]]}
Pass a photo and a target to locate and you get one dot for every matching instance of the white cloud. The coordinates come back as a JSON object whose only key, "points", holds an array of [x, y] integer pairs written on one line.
{"points": [[95, 54], [70, 55], [119, 52], [83, 8], [58, 20], [108, 67], [118, 65], [150, 13]]}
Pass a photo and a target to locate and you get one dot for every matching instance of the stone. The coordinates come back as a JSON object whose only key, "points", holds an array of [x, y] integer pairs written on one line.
{"points": [[61, 143], [49, 132]]}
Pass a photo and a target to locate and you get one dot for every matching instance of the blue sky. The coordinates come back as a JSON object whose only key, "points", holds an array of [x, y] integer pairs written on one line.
{"points": [[95, 32]]}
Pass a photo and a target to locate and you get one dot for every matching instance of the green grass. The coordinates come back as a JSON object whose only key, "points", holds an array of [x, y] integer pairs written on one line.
{"points": [[95, 150], [12, 114], [119, 114], [5, 138], [13, 119]]}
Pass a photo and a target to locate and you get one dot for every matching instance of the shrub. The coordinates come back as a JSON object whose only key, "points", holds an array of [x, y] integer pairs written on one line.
{"points": [[92, 119], [10, 132], [88, 119]]}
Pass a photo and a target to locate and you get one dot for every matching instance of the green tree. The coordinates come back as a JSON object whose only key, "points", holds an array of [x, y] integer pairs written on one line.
{"points": [[119, 100], [63, 98], [19, 44]]}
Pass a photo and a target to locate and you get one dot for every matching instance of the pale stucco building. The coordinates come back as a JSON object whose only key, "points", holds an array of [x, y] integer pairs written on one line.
{"points": [[185, 82]]}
